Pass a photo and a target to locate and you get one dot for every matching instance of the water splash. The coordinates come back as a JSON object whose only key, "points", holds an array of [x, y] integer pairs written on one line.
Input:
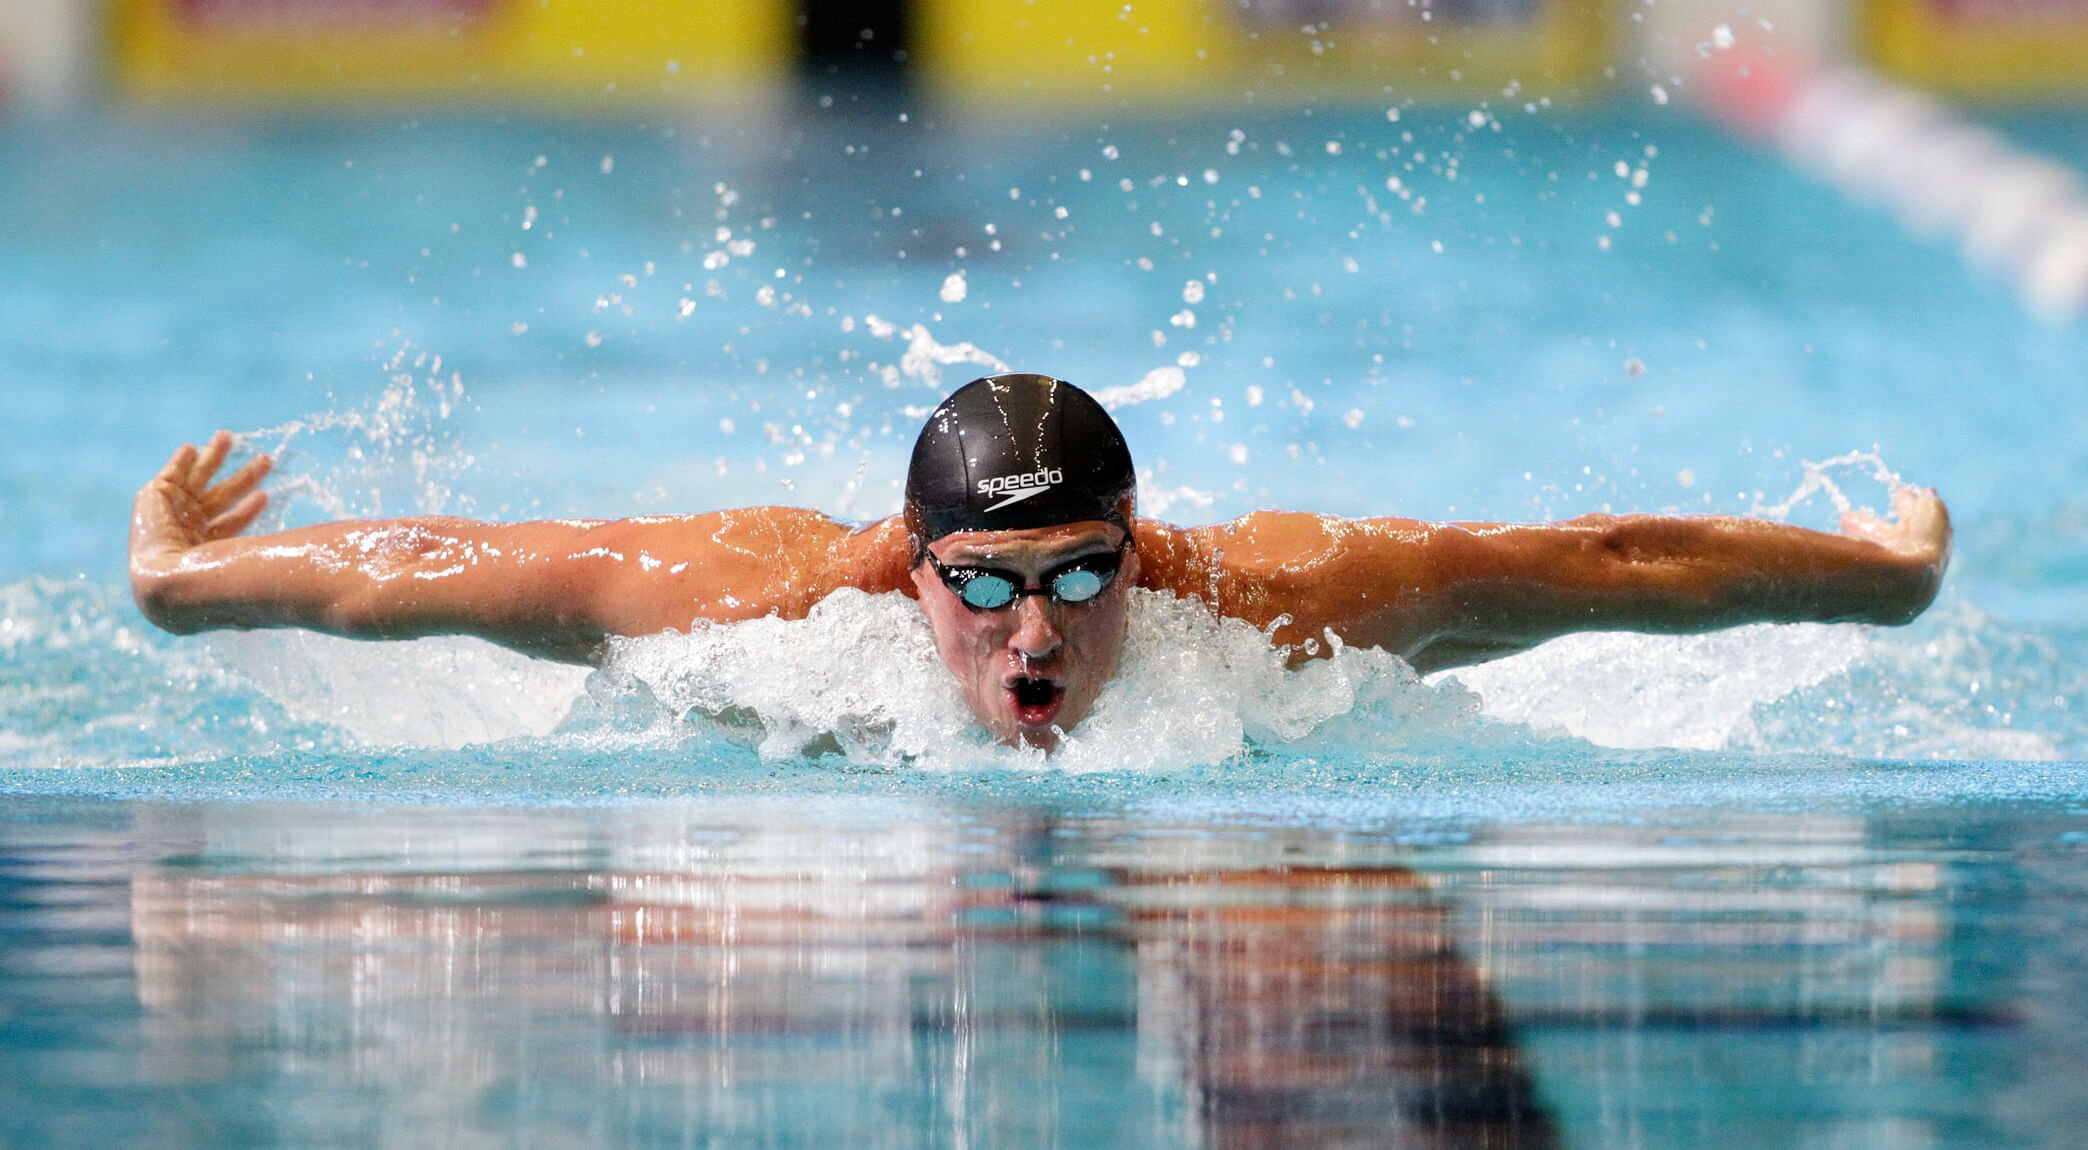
{"points": [[396, 455], [1958, 685], [92, 699], [1698, 692], [84, 681], [925, 356], [425, 693], [1819, 479], [922, 364], [1192, 690], [1158, 383]]}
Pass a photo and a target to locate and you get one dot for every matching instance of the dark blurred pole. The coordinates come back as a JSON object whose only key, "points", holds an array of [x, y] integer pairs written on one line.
{"points": [[856, 43]]}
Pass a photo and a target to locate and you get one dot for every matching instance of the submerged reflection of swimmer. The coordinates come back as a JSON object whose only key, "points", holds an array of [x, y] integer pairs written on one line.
{"points": [[1019, 540], [1314, 1002]]}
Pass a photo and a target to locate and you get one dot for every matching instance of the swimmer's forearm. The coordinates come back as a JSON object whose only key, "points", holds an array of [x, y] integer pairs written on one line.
{"points": [[556, 590], [1716, 571], [1515, 585], [396, 579]]}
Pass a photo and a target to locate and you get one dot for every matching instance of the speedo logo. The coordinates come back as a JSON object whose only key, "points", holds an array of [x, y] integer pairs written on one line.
{"points": [[1020, 487]]}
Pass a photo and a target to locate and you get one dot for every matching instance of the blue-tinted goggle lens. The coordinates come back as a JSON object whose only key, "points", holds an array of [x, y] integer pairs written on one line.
{"points": [[984, 589], [992, 592]]}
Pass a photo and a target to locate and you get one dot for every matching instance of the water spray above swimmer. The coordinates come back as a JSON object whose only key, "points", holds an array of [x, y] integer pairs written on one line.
{"points": [[1021, 542]]}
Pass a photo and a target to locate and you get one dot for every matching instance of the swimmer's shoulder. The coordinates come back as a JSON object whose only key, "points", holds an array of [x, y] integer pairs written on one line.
{"points": [[874, 557], [1212, 562], [1272, 563], [822, 554], [742, 563]]}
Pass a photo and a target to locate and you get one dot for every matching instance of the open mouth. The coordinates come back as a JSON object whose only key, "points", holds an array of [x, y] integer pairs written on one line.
{"points": [[1036, 700]]}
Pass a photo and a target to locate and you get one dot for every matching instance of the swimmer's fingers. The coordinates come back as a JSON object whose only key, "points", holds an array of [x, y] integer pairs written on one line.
{"points": [[1862, 524], [1918, 503], [1920, 526], [1924, 522], [240, 517], [170, 491], [177, 469], [237, 485], [208, 460], [167, 514]]}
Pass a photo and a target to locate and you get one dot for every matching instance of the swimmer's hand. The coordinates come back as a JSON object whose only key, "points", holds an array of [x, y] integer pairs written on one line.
{"points": [[1919, 534], [181, 509]]}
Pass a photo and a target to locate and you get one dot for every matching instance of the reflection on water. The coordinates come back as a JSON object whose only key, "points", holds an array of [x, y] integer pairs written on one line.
{"points": [[778, 973]]}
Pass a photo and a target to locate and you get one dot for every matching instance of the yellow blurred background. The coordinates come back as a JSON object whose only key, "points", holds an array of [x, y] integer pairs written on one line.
{"points": [[1003, 55]]}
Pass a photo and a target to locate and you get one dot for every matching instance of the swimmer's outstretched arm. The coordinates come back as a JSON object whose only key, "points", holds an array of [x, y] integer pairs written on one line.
{"points": [[556, 590], [1446, 595]]}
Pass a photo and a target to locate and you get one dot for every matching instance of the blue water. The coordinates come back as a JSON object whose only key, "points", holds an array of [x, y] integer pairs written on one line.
{"points": [[1786, 887]]}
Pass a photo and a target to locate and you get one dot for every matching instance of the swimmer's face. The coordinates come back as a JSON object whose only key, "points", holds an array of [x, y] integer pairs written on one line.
{"points": [[1032, 669]]}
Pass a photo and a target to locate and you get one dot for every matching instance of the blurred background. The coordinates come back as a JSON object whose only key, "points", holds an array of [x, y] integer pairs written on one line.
{"points": [[66, 54], [1467, 258]]}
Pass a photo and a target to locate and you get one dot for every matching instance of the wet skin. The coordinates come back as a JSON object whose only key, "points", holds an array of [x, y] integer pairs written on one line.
{"points": [[1036, 640], [1438, 595]]}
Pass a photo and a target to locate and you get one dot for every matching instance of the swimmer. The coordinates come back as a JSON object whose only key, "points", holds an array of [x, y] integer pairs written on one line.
{"points": [[1020, 541]]}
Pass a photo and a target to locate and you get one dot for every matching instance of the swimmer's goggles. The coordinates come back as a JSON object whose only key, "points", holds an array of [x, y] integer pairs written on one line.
{"points": [[991, 588]]}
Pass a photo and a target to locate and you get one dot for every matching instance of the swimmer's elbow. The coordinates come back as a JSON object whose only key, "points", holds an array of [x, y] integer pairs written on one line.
{"points": [[1905, 594], [161, 603], [176, 601]]}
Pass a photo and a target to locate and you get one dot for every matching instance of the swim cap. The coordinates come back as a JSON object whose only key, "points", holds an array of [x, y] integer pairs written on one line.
{"points": [[1013, 451]]}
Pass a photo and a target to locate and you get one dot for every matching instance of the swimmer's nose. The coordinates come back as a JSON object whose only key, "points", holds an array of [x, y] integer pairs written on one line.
{"points": [[1036, 636]]}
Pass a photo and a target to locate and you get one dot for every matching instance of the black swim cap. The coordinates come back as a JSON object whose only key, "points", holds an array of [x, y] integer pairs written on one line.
{"points": [[1013, 451]]}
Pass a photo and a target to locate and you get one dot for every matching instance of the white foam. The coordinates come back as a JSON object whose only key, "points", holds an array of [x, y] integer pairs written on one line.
{"points": [[860, 676], [861, 672], [446, 692], [1698, 692], [1955, 686]]}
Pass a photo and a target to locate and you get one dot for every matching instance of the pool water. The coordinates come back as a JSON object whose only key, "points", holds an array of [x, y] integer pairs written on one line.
{"points": [[766, 886]]}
